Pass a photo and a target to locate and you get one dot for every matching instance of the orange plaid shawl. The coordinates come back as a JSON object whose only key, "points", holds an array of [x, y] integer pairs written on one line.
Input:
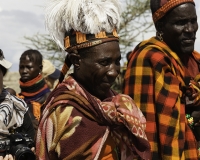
{"points": [[154, 79]]}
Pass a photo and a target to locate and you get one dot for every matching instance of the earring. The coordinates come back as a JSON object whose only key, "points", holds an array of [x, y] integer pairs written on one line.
{"points": [[76, 66], [159, 35]]}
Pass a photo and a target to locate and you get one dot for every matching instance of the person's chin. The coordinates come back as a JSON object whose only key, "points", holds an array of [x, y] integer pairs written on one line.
{"points": [[102, 92], [24, 79], [188, 50], [187, 47]]}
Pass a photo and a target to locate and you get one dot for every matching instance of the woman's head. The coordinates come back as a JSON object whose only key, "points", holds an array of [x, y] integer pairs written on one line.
{"points": [[176, 27]]}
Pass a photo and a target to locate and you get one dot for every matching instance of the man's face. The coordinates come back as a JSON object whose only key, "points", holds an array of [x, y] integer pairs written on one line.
{"points": [[99, 70], [28, 70], [180, 27]]}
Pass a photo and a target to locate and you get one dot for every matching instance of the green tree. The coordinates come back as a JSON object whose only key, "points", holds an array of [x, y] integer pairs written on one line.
{"points": [[136, 21]]}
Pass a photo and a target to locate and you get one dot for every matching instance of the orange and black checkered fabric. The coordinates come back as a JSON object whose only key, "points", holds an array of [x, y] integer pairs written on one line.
{"points": [[154, 79]]}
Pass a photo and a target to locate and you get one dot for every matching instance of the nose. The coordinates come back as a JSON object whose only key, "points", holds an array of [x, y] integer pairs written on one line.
{"points": [[23, 70], [190, 27], [113, 71]]}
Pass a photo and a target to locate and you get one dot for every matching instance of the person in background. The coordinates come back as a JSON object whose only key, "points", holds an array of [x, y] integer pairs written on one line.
{"points": [[11, 91], [163, 79], [83, 118], [14, 115], [34, 90], [50, 73]]}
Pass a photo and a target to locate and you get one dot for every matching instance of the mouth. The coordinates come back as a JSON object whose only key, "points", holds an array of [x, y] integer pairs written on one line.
{"points": [[188, 41], [106, 85], [24, 77]]}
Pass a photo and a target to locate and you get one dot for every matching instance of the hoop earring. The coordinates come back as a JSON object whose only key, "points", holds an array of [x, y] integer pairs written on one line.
{"points": [[159, 35]]}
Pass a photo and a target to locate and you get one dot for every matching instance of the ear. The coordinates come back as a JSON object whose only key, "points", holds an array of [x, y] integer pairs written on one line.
{"points": [[159, 26], [41, 67], [75, 60]]}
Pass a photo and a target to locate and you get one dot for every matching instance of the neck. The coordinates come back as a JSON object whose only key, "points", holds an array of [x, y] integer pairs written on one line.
{"points": [[34, 88]]}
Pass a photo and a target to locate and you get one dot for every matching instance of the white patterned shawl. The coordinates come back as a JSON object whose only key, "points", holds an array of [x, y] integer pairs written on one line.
{"points": [[12, 110]]}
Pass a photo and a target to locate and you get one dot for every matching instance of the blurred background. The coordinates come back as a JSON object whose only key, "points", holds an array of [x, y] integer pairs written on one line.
{"points": [[22, 27]]}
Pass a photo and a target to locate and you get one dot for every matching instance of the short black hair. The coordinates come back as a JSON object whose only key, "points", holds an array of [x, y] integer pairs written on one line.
{"points": [[34, 56]]}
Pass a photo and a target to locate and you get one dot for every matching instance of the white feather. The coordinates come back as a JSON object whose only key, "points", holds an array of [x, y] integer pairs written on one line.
{"points": [[86, 16]]}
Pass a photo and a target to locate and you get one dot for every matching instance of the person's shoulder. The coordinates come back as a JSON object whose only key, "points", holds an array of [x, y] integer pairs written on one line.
{"points": [[150, 48], [150, 53], [196, 55]]}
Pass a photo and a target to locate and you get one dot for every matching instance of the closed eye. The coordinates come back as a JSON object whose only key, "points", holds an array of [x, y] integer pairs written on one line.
{"points": [[104, 62]]}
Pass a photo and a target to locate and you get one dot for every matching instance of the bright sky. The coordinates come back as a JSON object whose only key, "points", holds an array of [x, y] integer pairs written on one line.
{"points": [[19, 18]]}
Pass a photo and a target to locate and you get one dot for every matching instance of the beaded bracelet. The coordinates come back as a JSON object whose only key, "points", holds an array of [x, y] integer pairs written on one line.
{"points": [[190, 120]]}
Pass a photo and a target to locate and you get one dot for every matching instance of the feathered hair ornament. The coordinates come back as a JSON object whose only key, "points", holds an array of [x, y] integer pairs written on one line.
{"points": [[77, 24], [71, 21]]}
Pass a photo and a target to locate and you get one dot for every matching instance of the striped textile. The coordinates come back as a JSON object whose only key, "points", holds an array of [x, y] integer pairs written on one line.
{"points": [[155, 79], [166, 6], [34, 93], [75, 40], [12, 110], [33, 89]]}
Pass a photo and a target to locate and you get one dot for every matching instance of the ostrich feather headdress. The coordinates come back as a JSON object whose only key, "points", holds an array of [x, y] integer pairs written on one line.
{"points": [[73, 23]]}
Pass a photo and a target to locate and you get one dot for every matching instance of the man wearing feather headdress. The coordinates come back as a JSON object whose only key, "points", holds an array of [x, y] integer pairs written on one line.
{"points": [[83, 119]]}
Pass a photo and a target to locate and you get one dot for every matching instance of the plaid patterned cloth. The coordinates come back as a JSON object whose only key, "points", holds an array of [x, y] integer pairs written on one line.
{"points": [[155, 79]]}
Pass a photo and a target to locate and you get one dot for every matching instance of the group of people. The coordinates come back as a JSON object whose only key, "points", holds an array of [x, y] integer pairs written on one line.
{"points": [[20, 112], [157, 117]]}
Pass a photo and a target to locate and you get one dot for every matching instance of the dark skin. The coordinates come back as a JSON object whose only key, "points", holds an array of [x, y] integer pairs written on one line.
{"points": [[179, 33], [179, 29], [97, 71], [29, 69]]}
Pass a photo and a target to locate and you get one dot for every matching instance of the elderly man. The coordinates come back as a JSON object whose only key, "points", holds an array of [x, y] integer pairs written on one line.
{"points": [[163, 78], [83, 118], [34, 90]]}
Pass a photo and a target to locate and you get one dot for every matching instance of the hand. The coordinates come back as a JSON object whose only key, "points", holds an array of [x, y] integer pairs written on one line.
{"points": [[193, 94], [33, 150], [7, 157], [196, 117], [195, 98]]}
